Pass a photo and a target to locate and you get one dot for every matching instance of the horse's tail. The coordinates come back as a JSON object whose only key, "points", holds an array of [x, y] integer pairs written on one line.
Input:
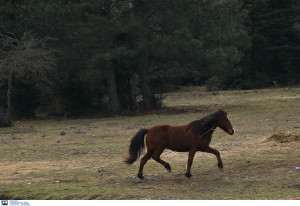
{"points": [[136, 146]]}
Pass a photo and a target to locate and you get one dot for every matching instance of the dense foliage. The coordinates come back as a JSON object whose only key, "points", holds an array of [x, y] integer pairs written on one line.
{"points": [[114, 55]]}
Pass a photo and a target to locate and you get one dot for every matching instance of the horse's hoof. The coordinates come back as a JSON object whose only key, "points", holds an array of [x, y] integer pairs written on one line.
{"points": [[188, 175], [220, 165], [140, 176], [168, 167]]}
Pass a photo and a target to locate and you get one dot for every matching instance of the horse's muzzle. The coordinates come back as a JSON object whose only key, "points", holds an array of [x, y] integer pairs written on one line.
{"points": [[232, 132]]}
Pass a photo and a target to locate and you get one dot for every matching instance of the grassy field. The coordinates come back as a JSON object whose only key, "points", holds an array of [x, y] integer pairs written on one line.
{"points": [[82, 158]]}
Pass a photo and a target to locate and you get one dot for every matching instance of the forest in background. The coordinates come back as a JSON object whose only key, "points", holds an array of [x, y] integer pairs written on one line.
{"points": [[70, 57]]}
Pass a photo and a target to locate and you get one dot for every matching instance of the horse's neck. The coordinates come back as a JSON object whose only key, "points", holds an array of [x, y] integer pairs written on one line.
{"points": [[209, 129], [209, 132]]}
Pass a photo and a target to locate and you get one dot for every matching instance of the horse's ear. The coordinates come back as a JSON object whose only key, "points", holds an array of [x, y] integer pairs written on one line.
{"points": [[221, 111]]}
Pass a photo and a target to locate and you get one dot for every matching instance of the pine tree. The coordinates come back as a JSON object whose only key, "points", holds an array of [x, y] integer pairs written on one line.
{"points": [[274, 54]]}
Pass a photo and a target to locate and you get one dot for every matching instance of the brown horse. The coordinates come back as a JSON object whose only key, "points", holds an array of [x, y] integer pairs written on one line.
{"points": [[192, 137]]}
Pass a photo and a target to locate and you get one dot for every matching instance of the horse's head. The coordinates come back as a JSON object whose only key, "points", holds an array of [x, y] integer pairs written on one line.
{"points": [[224, 122]]}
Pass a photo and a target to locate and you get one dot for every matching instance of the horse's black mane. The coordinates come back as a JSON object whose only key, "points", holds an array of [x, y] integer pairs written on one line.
{"points": [[205, 123]]}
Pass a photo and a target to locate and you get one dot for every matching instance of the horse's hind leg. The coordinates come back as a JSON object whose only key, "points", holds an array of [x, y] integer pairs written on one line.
{"points": [[144, 160], [156, 157], [167, 165]]}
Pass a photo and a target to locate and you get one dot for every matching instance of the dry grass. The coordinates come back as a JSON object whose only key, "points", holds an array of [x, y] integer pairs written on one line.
{"points": [[283, 137], [37, 162]]}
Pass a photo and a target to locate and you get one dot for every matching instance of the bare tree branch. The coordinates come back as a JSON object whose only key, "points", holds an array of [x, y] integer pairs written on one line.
{"points": [[23, 58]]}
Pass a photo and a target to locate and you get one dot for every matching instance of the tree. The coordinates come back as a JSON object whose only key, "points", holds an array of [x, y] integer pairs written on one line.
{"points": [[115, 55], [225, 40], [21, 59], [275, 36]]}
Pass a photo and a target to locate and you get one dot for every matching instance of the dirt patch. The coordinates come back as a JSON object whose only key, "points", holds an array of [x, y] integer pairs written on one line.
{"points": [[284, 137], [20, 130], [12, 172]]}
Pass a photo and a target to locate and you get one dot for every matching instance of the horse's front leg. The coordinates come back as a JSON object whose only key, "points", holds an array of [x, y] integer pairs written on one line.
{"points": [[189, 163], [217, 153]]}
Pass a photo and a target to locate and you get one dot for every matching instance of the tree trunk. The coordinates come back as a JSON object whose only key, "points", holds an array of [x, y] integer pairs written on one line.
{"points": [[9, 94], [112, 89], [145, 82]]}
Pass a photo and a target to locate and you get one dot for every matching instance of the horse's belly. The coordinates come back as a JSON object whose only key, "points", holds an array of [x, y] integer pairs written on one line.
{"points": [[179, 144], [178, 148]]}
